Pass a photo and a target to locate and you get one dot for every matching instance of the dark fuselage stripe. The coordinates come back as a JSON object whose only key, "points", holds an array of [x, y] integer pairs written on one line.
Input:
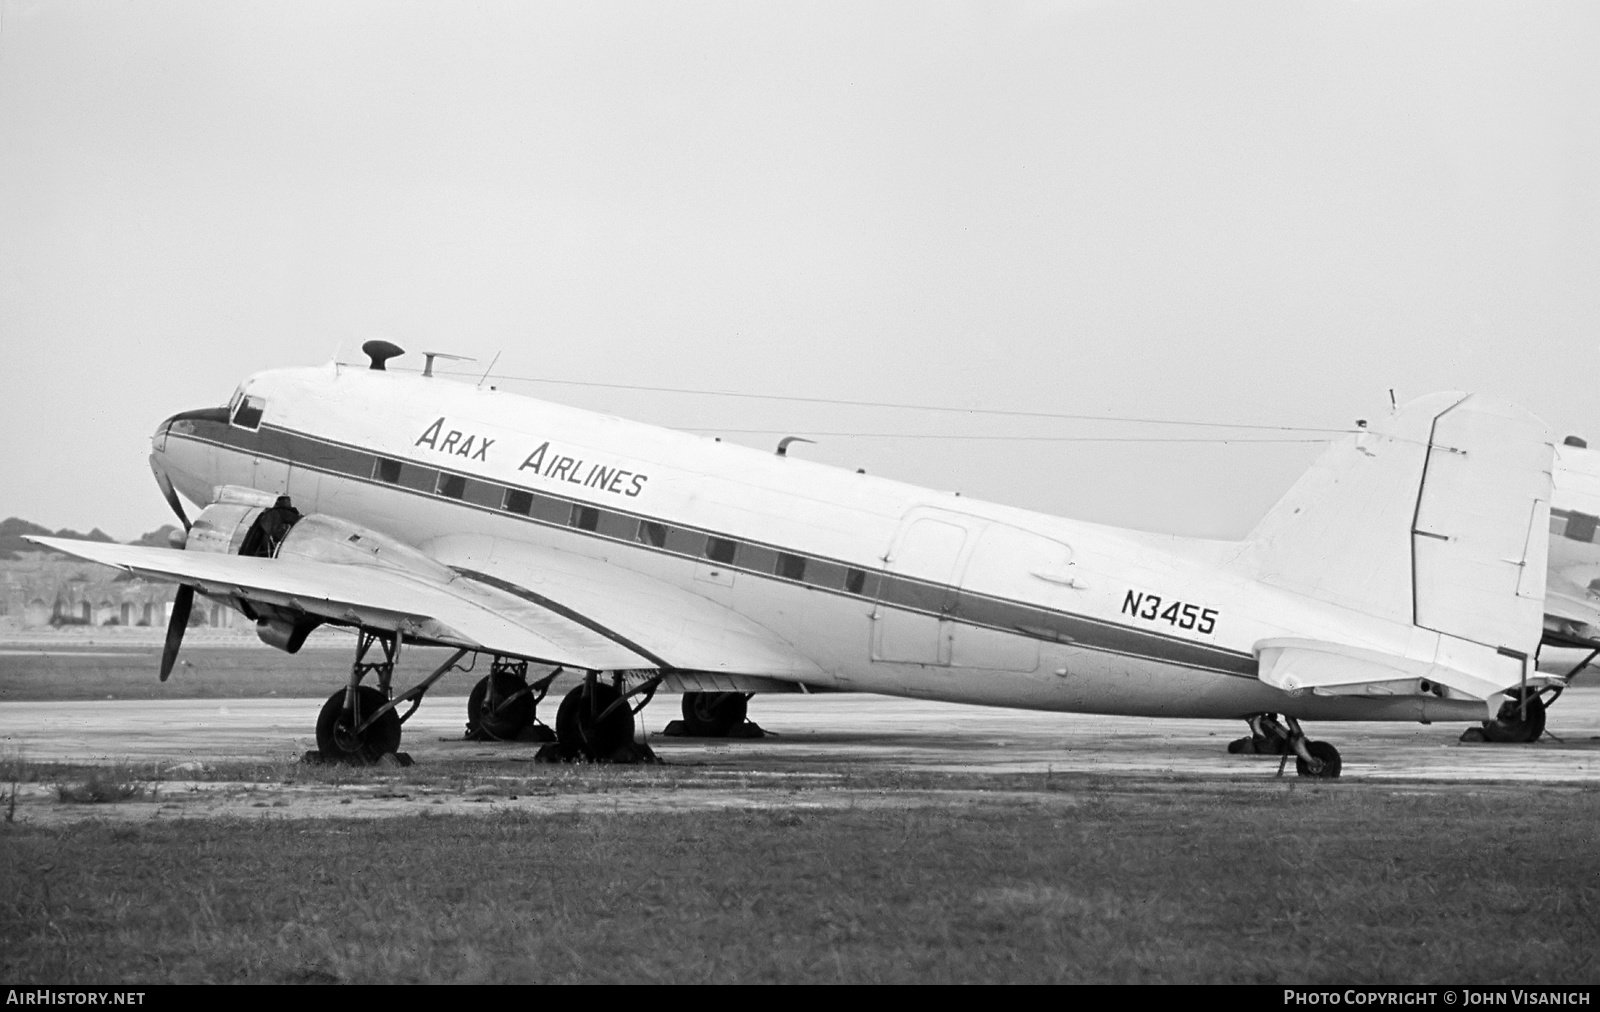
{"points": [[885, 589], [564, 612]]}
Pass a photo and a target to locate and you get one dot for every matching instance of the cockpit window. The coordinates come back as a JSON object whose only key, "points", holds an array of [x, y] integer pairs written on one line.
{"points": [[248, 414]]}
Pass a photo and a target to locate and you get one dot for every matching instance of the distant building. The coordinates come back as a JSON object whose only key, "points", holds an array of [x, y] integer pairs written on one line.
{"points": [[43, 590]]}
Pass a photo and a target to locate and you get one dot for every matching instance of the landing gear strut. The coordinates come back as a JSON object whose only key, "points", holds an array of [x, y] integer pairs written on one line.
{"points": [[1267, 737]]}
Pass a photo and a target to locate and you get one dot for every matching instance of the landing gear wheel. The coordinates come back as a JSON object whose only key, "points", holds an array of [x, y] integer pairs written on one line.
{"points": [[713, 714], [337, 739], [1509, 725], [506, 722], [1332, 765], [579, 731]]}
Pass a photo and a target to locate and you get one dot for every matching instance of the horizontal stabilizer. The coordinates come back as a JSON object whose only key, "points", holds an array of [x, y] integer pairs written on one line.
{"points": [[1467, 668]]}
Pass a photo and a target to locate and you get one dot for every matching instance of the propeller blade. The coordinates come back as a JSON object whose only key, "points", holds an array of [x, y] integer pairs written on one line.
{"points": [[171, 495], [181, 604]]}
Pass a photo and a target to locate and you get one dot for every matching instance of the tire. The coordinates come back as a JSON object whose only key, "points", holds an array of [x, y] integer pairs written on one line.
{"points": [[714, 714], [511, 719], [336, 740], [576, 729], [1332, 764], [1509, 727]]}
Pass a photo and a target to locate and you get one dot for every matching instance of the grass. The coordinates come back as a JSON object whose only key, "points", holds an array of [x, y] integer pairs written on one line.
{"points": [[101, 789], [1311, 884]]}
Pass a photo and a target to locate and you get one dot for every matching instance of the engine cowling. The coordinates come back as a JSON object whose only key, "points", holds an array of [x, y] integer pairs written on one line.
{"points": [[244, 521], [221, 528]]}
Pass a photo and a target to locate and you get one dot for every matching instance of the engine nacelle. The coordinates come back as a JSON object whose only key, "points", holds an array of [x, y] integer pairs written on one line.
{"points": [[244, 521], [321, 538], [221, 529]]}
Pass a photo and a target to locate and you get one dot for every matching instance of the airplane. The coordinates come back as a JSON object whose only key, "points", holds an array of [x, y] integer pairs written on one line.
{"points": [[1402, 578]]}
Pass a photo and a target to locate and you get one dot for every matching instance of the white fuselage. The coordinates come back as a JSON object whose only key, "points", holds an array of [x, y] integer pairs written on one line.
{"points": [[876, 585]]}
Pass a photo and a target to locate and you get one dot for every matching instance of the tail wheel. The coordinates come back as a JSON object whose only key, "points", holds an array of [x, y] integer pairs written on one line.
{"points": [[580, 727], [1324, 753], [337, 738], [1510, 726], [714, 714], [506, 721]]}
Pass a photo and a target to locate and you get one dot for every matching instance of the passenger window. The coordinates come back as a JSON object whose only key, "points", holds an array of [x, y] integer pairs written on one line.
{"points": [[721, 550], [854, 580], [652, 534], [386, 470], [551, 511], [615, 525], [518, 501], [1581, 527], [482, 493], [452, 485], [758, 559], [821, 573], [585, 518], [685, 542], [791, 567], [248, 414]]}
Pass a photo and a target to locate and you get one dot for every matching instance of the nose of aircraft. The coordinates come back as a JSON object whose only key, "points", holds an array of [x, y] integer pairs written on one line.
{"points": [[163, 453], [158, 467]]}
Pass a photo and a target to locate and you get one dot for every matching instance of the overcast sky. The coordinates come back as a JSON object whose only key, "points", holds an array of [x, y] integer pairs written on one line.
{"points": [[1266, 213]]}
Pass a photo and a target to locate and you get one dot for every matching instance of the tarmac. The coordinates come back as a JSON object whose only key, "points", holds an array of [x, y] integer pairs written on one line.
{"points": [[828, 733]]}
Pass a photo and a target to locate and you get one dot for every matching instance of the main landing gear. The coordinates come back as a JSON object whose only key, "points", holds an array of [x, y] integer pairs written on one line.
{"points": [[1269, 736], [360, 723], [595, 721], [715, 715], [504, 707]]}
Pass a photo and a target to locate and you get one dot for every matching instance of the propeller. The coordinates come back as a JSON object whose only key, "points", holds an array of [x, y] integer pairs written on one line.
{"points": [[171, 495], [182, 602]]}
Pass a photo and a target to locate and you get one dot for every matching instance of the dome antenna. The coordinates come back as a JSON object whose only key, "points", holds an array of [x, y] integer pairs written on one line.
{"points": [[381, 352]]}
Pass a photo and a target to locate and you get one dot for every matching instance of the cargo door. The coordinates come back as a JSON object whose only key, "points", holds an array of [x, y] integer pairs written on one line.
{"points": [[1014, 584], [917, 593]]}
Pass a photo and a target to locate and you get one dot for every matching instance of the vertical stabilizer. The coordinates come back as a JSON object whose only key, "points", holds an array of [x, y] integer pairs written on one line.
{"points": [[1436, 517]]}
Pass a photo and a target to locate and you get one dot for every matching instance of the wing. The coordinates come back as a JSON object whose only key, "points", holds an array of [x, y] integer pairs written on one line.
{"points": [[461, 612], [680, 630], [499, 596]]}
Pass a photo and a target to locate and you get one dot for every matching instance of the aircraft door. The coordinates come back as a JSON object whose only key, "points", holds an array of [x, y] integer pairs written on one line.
{"points": [[1011, 580], [917, 593]]}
